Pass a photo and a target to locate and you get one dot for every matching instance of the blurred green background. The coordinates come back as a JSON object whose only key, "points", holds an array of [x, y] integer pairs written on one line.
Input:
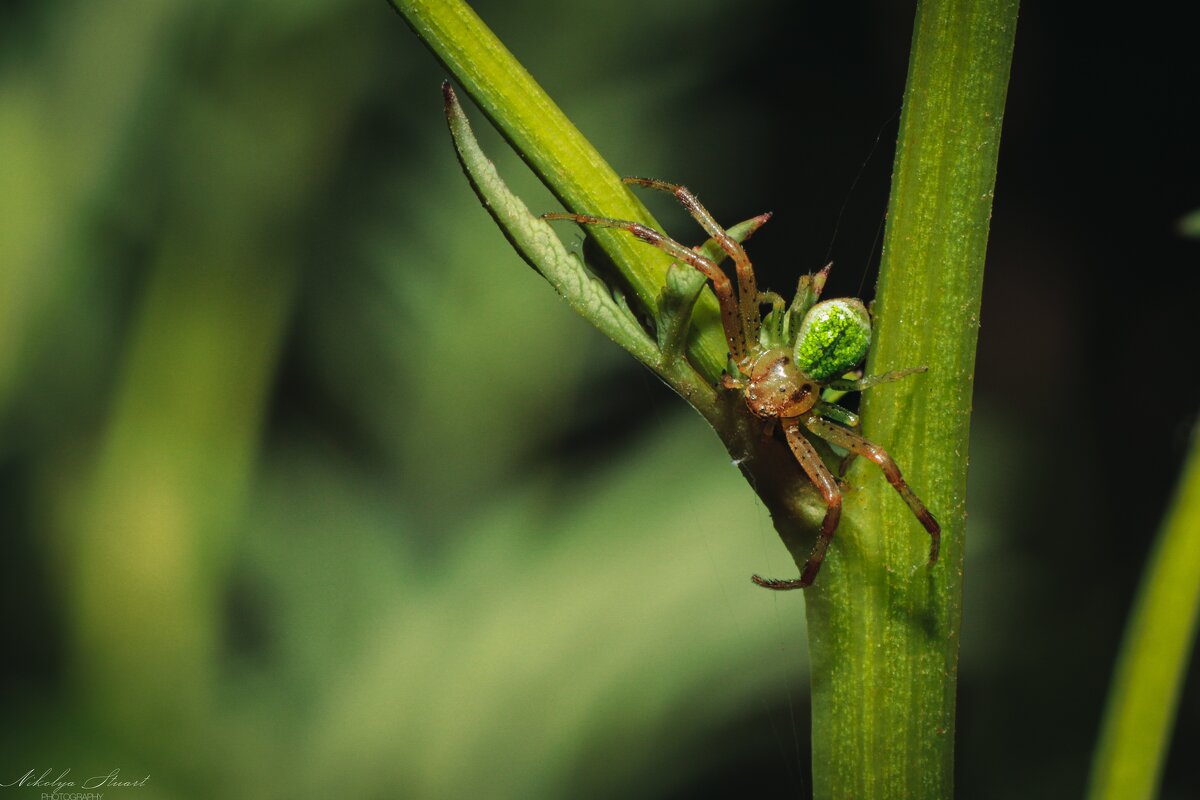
{"points": [[309, 487]]}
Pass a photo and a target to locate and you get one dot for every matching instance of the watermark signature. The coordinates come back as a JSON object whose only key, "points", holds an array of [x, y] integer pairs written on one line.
{"points": [[64, 787]]}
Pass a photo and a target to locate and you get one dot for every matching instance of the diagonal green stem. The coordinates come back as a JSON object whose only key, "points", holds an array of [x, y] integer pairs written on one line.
{"points": [[569, 165], [1154, 656], [565, 161], [883, 627]]}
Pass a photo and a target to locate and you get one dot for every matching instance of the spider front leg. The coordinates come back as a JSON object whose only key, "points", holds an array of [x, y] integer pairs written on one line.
{"points": [[856, 444], [862, 384], [814, 468], [719, 280], [857, 384], [747, 284]]}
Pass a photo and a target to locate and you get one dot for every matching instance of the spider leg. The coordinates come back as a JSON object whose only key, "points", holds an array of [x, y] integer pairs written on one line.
{"points": [[826, 484], [866, 383], [860, 446], [739, 233], [720, 281], [747, 284]]}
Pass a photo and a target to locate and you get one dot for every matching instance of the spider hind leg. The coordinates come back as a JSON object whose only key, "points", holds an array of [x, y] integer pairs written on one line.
{"points": [[822, 478], [857, 445]]}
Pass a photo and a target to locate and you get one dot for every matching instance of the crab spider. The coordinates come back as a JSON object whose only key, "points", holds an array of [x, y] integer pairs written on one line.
{"points": [[782, 364]]}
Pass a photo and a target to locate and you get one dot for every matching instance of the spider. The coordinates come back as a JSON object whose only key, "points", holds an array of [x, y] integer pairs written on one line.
{"points": [[789, 367]]}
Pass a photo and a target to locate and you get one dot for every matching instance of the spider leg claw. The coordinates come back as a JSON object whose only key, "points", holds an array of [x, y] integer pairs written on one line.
{"points": [[780, 584]]}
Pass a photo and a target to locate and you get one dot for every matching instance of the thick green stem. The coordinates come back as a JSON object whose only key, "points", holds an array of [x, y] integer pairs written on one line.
{"points": [[1153, 661], [565, 161], [883, 626]]}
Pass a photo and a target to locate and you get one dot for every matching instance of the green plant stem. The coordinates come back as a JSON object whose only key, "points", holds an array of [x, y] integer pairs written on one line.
{"points": [[1154, 656], [883, 627], [565, 161]]}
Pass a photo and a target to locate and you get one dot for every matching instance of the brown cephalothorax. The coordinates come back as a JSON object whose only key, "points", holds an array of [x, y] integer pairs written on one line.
{"points": [[778, 388]]}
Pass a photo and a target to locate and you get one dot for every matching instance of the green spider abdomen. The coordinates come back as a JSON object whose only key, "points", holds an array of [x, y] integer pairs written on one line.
{"points": [[833, 338]]}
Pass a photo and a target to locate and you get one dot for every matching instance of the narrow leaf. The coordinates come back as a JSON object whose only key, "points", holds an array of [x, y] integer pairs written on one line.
{"points": [[1154, 656], [537, 243]]}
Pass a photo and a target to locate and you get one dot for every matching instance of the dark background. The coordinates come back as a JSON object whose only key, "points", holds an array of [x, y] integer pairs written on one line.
{"points": [[309, 487]]}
